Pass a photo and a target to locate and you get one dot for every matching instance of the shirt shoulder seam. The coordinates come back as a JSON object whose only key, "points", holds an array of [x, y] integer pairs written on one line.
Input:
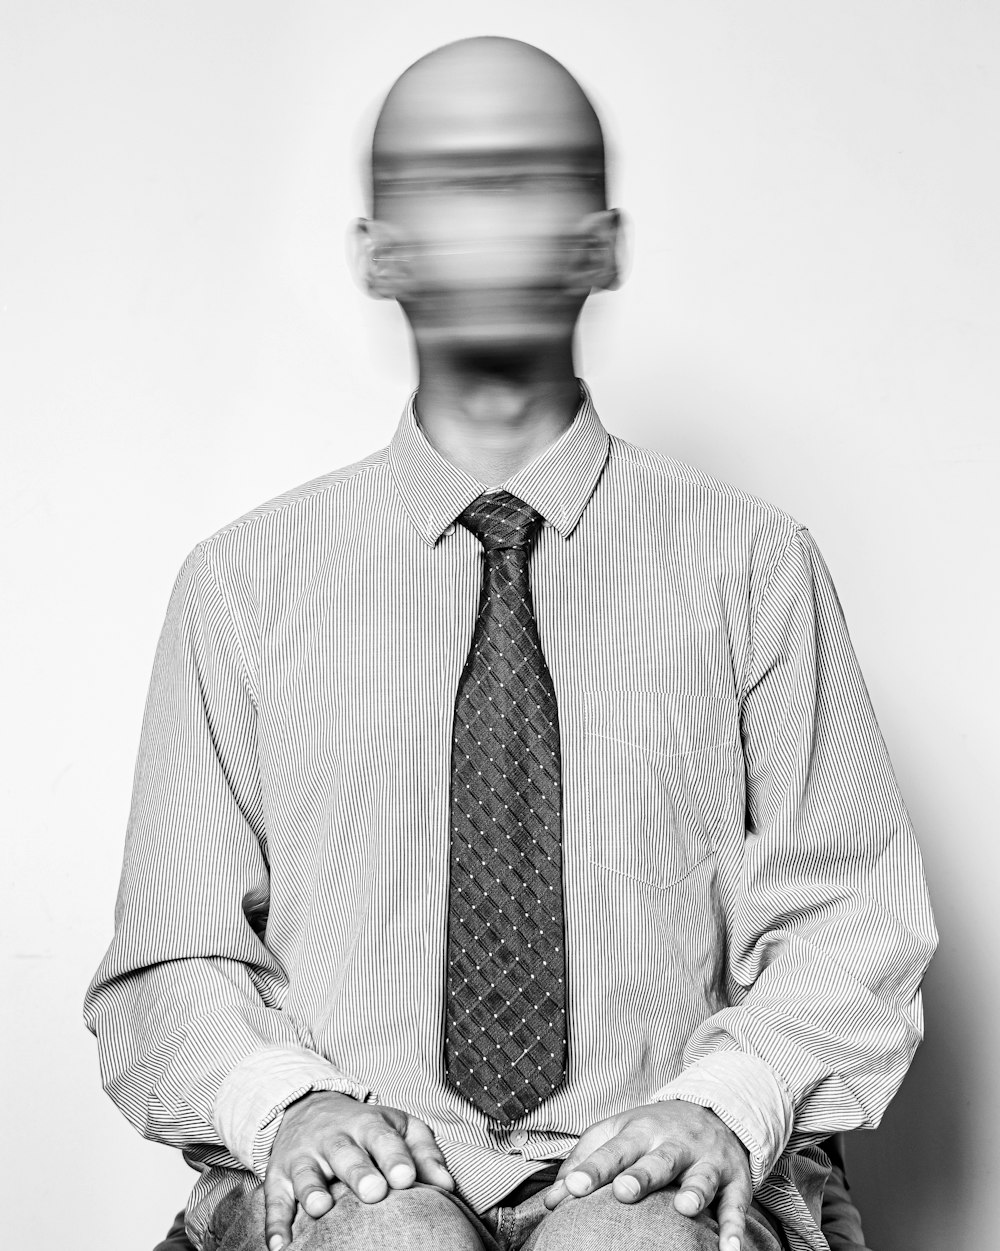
{"points": [[327, 483], [665, 467], [755, 607], [298, 495], [201, 549]]}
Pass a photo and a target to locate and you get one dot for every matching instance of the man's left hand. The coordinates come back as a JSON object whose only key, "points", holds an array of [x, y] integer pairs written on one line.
{"points": [[658, 1145]]}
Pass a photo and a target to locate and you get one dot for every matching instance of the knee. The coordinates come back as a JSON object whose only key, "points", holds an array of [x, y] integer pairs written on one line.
{"points": [[601, 1221], [422, 1216]]}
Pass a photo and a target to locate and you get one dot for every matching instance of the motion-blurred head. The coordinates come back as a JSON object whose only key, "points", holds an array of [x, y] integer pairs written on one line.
{"points": [[489, 222]]}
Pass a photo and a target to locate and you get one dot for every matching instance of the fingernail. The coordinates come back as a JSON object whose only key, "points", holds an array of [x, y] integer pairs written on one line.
{"points": [[734, 1244], [446, 1178], [581, 1182], [629, 1185], [401, 1176], [275, 1243], [368, 1188]]}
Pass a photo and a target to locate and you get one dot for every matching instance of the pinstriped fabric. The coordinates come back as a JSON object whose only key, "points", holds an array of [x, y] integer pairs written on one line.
{"points": [[745, 913]]}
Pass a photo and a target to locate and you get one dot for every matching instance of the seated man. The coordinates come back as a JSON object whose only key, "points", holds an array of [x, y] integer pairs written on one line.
{"points": [[514, 858]]}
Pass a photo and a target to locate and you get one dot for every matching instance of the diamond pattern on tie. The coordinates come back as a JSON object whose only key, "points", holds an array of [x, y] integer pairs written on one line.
{"points": [[505, 1027]]}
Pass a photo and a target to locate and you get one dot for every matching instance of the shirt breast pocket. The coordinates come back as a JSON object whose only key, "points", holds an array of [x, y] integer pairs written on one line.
{"points": [[660, 780]]}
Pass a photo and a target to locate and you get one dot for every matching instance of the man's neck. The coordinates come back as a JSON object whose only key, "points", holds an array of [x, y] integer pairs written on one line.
{"points": [[490, 418]]}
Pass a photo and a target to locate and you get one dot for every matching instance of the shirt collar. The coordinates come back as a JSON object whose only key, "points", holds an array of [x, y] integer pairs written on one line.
{"points": [[558, 483]]}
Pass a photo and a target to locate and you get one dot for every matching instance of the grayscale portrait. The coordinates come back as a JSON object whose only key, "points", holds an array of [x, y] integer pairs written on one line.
{"points": [[500, 566]]}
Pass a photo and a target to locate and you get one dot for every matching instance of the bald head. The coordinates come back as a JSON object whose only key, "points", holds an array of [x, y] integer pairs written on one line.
{"points": [[491, 105], [489, 217]]}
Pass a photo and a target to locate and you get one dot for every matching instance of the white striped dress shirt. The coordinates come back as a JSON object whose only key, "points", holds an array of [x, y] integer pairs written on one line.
{"points": [[746, 916]]}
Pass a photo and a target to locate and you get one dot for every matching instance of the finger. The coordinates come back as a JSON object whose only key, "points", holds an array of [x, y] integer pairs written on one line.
{"points": [[555, 1194], [651, 1172], [311, 1185], [698, 1187], [390, 1153], [427, 1155], [279, 1210], [588, 1142], [734, 1200], [354, 1166], [607, 1161], [591, 1138]]}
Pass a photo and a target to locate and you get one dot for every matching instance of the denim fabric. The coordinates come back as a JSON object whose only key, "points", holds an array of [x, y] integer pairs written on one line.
{"points": [[841, 1221], [426, 1217]]}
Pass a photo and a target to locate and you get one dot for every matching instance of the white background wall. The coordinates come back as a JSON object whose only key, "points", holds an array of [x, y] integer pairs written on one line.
{"points": [[812, 314]]}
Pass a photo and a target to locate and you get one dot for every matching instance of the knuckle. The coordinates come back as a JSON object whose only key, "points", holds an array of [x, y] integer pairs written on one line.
{"points": [[709, 1177], [645, 1126], [401, 1122], [667, 1163], [385, 1136], [733, 1204], [659, 1164], [301, 1168], [633, 1136], [278, 1206], [424, 1145], [739, 1182], [277, 1219], [339, 1142], [355, 1173], [305, 1180], [709, 1152]]}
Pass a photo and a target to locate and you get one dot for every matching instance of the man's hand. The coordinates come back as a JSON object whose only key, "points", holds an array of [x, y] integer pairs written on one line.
{"points": [[654, 1146], [325, 1137]]}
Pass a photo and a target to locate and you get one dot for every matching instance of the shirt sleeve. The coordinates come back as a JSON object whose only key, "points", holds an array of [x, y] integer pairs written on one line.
{"points": [[187, 1004], [830, 931]]}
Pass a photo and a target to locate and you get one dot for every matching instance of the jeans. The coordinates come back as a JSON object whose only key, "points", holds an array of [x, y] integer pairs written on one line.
{"points": [[426, 1218]]}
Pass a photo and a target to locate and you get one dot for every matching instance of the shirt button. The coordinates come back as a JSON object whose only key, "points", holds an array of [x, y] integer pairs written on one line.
{"points": [[519, 1138], [449, 530]]}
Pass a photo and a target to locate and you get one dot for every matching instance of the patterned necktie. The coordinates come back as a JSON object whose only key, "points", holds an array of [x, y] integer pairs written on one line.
{"points": [[505, 1029]]}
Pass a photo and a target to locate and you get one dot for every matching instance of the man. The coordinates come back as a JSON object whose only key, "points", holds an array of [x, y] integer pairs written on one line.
{"points": [[514, 857]]}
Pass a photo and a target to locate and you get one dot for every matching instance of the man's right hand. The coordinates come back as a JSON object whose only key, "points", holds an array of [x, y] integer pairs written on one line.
{"points": [[325, 1137]]}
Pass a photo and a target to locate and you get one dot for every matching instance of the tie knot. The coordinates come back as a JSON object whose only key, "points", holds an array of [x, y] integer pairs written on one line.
{"points": [[501, 520]]}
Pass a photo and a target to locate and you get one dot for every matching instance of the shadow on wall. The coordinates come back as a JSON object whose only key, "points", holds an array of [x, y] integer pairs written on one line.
{"points": [[909, 1179]]}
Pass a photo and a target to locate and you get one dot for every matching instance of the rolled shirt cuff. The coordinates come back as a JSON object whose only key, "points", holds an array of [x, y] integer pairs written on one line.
{"points": [[747, 1095], [251, 1100]]}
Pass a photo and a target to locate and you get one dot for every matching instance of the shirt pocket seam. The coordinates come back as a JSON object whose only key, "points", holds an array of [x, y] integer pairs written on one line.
{"points": [[650, 751], [645, 881], [606, 711]]}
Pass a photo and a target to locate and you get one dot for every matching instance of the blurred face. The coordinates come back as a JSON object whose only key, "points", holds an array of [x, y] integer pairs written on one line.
{"points": [[488, 179]]}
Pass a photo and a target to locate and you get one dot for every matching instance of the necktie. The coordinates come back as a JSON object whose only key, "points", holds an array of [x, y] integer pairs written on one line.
{"points": [[505, 1026]]}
